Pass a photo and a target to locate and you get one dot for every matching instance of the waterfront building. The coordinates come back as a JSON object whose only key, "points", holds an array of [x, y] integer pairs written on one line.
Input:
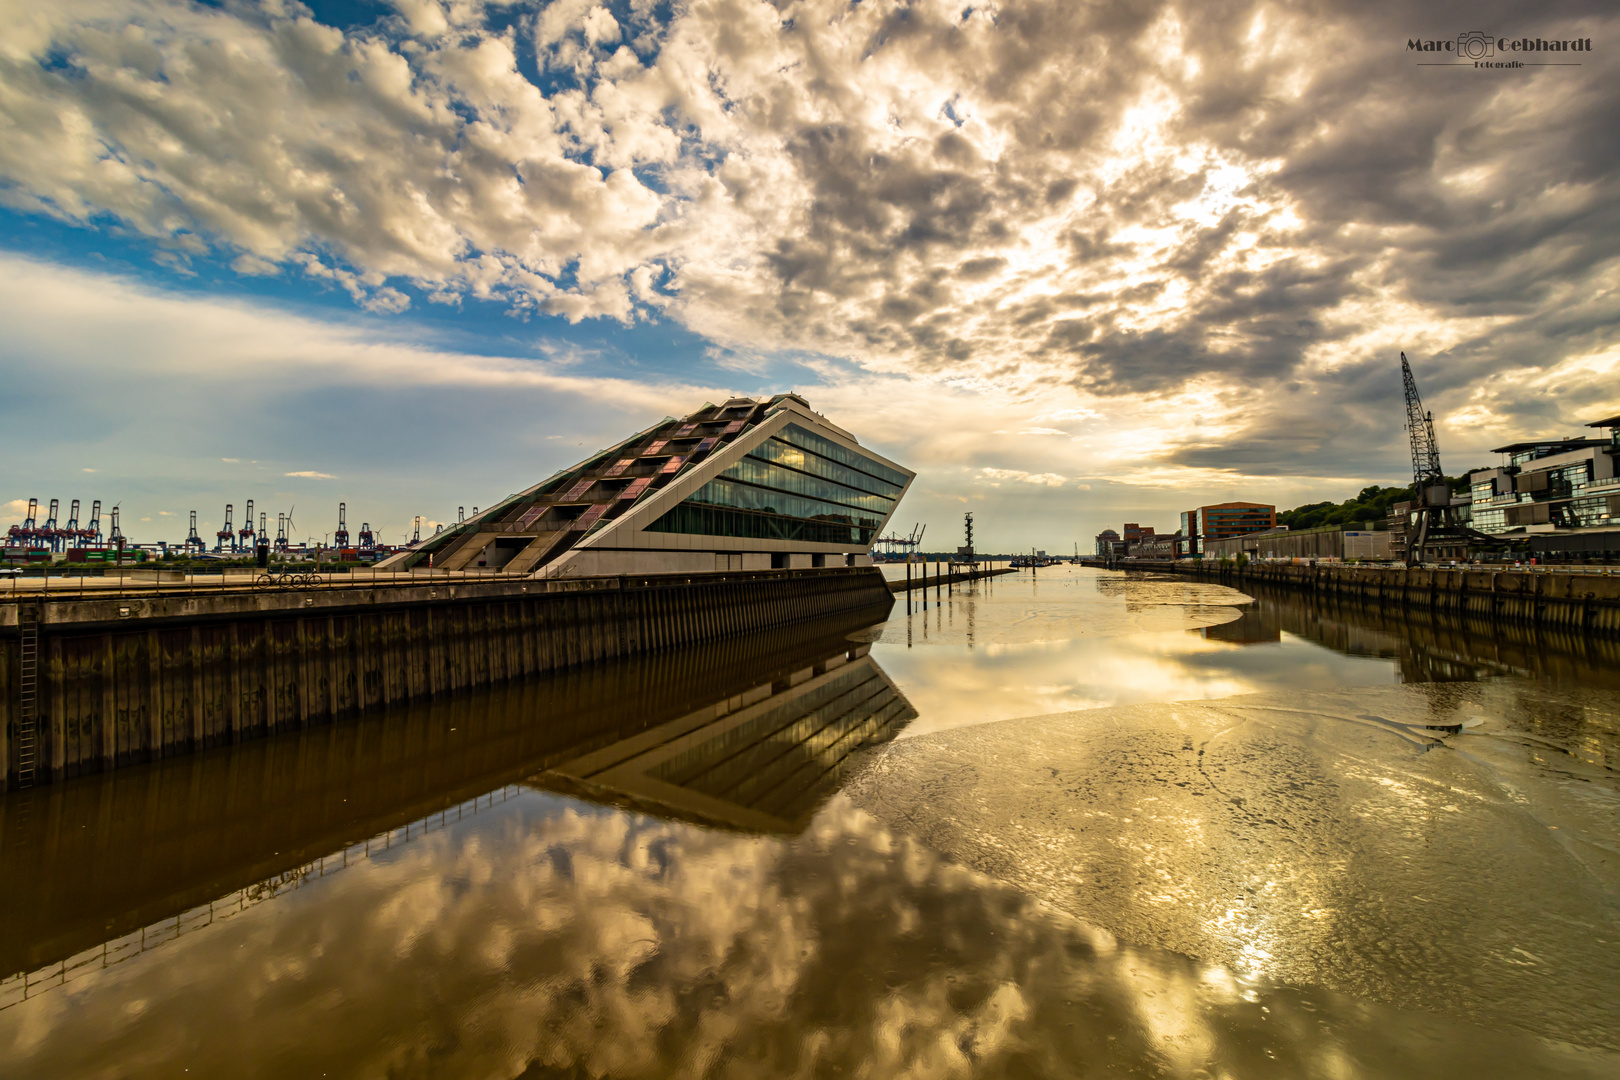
{"points": [[746, 485], [1550, 484], [1155, 546], [1109, 545], [1328, 543], [1219, 521]]}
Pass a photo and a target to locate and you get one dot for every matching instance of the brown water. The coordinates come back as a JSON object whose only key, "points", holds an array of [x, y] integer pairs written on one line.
{"points": [[1228, 838]]}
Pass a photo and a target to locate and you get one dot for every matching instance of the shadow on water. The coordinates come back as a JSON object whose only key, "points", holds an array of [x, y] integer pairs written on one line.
{"points": [[754, 733]]}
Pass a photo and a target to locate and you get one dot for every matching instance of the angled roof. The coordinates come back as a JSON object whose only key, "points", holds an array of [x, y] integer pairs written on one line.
{"points": [[627, 486], [1550, 444], [1611, 422]]}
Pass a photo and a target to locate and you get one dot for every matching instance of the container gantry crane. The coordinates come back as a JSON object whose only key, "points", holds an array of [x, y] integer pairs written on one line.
{"points": [[70, 531], [22, 535], [340, 539], [226, 534], [116, 536], [245, 534], [368, 542], [52, 535], [92, 531], [416, 530], [193, 541]]}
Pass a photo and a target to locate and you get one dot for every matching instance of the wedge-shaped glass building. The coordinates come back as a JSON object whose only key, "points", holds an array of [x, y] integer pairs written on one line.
{"points": [[747, 485]]}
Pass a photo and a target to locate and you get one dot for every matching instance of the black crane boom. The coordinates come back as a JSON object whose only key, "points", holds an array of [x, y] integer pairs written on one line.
{"points": [[1426, 470]]}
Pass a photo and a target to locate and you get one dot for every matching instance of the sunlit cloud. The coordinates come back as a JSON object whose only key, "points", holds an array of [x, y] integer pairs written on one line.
{"points": [[1194, 240]]}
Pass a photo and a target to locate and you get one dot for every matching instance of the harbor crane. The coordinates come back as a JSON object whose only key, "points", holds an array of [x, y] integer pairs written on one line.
{"points": [[245, 534], [92, 531], [71, 531], [116, 537], [368, 542], [1434, 521], [52, 536], [416, 530], [226, 534], [340, 539], [907, 544], [283, 523], [192, 539], [30, 525]]}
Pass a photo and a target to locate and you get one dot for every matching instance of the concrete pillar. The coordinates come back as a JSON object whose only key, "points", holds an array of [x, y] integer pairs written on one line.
{"points": [[154, 695], [6, 683], [55, 675], [197, 705], [233, 657], [109, 703]]}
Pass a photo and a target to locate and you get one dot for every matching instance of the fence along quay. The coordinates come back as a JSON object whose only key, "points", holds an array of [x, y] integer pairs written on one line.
{"points": [[140, 676]]}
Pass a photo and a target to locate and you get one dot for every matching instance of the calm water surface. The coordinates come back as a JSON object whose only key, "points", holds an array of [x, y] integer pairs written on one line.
{"points": [[1081, 825]]}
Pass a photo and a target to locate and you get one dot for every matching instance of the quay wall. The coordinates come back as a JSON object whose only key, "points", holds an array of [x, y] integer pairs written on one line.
{"points": [[133, 678], [1584, 603]]}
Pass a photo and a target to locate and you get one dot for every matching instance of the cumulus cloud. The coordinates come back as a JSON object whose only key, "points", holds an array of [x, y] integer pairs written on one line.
{"points": [[308, 475], [1254, 204]]}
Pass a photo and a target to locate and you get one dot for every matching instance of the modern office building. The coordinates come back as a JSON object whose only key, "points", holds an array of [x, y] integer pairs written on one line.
{"points": [[1551, 484], [1218, 521], [747, 485]]}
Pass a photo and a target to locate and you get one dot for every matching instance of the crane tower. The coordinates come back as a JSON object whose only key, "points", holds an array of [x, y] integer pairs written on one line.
{"points": [[1434, 522], [340, 539], [226, 534]]}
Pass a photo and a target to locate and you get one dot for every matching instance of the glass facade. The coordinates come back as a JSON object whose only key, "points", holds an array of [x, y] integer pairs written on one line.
{"points": [[795, 485]]}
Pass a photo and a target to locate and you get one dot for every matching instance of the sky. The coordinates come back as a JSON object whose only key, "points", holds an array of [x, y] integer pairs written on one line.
{"points": [[1074, 263]]}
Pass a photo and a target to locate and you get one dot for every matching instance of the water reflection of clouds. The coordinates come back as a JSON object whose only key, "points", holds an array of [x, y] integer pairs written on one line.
{"points": [[953, 685], [554, 938]]}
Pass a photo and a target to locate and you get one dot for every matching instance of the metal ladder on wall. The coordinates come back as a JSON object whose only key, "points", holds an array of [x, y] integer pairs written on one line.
{"points": [[28, 718]]}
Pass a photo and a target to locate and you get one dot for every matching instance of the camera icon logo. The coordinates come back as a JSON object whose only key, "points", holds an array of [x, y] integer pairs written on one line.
{"points": [[1475, 45]]}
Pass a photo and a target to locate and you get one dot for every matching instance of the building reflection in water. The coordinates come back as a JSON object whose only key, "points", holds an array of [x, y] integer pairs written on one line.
{"points": [[1427, 646], [762, 760], [747, 734]]}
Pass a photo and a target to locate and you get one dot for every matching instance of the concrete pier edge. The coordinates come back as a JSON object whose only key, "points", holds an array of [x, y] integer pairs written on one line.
{"points": [[136, 677], [1588, 603]]}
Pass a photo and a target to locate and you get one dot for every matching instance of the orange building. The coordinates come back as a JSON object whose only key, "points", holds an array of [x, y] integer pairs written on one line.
{"points": [[1218, 521]]}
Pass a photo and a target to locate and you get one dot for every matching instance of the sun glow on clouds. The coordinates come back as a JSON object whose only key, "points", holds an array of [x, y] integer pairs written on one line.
{"points": [[1193, 239]]}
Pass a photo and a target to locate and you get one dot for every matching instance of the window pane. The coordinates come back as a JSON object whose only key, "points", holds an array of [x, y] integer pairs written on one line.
{"points": [[796, 457], [826, 448], [765, 474]]}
